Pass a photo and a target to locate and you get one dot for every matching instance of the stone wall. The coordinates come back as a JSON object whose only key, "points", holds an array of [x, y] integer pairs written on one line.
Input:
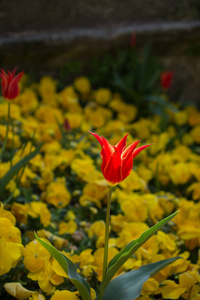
{"points": [[42, 35]]}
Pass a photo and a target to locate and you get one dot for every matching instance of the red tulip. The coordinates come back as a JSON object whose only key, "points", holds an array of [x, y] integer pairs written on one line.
{"points": [[166, 80], [10, 84], [117, 162]]}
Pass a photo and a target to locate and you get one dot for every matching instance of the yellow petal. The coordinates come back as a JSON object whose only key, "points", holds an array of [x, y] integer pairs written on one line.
{"points": [[16, 290]]}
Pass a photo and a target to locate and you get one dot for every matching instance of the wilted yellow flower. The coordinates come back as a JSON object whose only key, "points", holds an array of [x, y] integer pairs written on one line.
{"points": [[16, 290]]}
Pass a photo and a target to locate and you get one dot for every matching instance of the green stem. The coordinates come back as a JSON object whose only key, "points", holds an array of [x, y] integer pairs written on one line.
{"points": [[105, 260], [6, 137]]}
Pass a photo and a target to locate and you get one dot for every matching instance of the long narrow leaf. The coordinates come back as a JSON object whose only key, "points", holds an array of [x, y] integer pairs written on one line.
{"points": [[69, 267], [15, 169], [129, 285], [119, 259]]}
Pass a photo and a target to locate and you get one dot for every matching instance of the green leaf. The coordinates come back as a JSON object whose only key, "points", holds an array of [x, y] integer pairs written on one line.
{"points": [[129, 285], [118, 260], [69, 267], [15, 169]]}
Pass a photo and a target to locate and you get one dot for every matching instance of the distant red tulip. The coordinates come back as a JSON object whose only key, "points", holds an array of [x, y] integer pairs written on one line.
{"points": [[166, 80], [10, 84], [66, 125], [117, 162], [133, 39]]}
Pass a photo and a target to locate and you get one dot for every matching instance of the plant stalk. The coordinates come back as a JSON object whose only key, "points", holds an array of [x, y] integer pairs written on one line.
{"points": [[105, 260], [7, 129]]}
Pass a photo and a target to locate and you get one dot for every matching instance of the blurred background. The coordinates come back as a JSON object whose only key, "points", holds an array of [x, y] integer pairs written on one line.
{"points": [[46, 37]]}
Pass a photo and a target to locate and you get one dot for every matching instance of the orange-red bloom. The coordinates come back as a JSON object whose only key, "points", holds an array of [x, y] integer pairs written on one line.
{"points": [[10, 84], [117, 162]]}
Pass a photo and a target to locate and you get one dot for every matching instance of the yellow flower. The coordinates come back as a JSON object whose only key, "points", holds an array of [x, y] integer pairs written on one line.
{"points": [[67, 227], [137, 207], [93, 194], [171, 290], [97, 229], [167, 241], [129, 232], [6, 214], [27, 100], [17, 291], [12, 187], [10, 254], [86, 258], [69, 98], [195, 133], [179, 173], [102, 96], [150, 287], [181, 118], [47, 278], [35, 256], [36, 296], [132, 183], [39, 209], [57, 194], [128, 113], [60, 295], [9, 231], [98, 260], [82, 85]]}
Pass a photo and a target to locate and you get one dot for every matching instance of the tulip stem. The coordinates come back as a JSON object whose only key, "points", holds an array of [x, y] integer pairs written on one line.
{"points": [[105, 260], [7, 128]]}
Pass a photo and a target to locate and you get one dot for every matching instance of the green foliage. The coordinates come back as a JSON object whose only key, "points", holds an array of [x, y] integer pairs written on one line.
{"points": [[68, 266], [16, 168], [129, 285]]}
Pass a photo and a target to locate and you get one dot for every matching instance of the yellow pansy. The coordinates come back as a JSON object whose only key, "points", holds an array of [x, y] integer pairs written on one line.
{"points": [[102, 96], [36, 296], [150, 287], [39, 209], [28, 101], [57, 194], [82, 85], [60, 295], [171, 290], [67, 227], [35, 256]]}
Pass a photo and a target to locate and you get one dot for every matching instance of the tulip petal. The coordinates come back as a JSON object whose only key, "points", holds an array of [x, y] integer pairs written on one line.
{"points": [[129, 150], [138, 150], [99, 138], [122, 144], [112, 171]]}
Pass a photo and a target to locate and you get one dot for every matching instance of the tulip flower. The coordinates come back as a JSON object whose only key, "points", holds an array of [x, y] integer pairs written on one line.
{"points": [[10, 84], [117, 162], [166, 80]]}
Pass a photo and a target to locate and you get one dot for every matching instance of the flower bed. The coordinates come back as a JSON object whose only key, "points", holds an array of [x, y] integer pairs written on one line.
{"points": [[61, 193]]}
